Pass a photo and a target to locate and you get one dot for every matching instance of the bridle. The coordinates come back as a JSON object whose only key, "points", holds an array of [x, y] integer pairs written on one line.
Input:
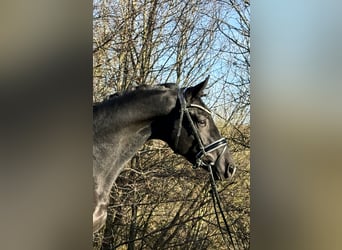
{"points": [[204, 150]]}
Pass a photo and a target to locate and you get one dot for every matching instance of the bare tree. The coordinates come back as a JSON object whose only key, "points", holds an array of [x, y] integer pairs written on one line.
{"points": [[160, 202]]}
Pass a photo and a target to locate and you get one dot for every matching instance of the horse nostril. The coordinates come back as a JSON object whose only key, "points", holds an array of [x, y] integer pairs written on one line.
{"points": [[231, 171]]}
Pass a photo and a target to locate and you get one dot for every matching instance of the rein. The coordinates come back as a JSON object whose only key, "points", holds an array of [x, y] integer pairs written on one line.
{"points": [[216, 198]]}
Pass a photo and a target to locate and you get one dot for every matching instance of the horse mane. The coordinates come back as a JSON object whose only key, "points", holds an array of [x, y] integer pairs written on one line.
{"points": [[113, 97]]}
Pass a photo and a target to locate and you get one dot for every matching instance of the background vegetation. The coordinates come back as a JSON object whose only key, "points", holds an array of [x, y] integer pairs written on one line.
{"points": [[159, 201]]}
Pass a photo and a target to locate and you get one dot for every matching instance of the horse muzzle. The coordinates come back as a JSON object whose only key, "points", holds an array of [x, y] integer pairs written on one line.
{"points": [[222, 167]]}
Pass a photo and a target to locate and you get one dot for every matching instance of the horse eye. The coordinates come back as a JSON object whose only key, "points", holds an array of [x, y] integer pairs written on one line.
{"points": [[202, 123]]}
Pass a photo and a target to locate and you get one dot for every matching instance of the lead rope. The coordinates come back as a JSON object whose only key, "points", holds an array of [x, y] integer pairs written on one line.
{"points": [[214, 194]]}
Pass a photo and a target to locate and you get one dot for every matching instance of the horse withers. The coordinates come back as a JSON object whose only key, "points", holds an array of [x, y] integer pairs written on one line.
{"points": [[178, 116]]}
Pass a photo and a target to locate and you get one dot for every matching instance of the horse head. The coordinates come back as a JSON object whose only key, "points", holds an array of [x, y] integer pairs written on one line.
{"points": [[194, 135]]}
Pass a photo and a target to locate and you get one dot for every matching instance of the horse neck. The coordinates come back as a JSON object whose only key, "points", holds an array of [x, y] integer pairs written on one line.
{"points": [[134, 111]]}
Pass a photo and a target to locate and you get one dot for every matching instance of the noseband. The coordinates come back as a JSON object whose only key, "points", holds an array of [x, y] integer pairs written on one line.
{"points": [[204, 150]]}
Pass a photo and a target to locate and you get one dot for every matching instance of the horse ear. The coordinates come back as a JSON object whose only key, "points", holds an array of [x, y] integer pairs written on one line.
{"points": [[198, 90]]}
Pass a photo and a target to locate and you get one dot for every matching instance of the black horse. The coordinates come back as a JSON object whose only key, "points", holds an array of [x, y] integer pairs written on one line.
{"points": [[178, 116]]}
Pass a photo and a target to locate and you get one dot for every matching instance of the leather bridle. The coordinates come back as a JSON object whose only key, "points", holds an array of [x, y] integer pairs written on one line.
{"points": [[204, 150]]}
